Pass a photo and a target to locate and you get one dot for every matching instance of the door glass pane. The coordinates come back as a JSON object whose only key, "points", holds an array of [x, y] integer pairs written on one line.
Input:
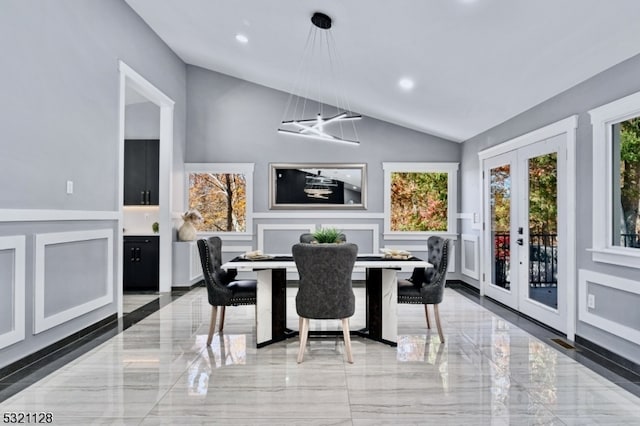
{"points": [[501, 225], [543, 229]]}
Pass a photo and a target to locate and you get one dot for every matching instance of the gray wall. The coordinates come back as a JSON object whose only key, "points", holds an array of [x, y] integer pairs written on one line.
{"points": [[142, 121], [610, 85], [59, 120], [231, 120]]}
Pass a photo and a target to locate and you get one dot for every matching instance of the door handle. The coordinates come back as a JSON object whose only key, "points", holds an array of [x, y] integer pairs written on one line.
{"points": [[520, 241], [142, 197]]}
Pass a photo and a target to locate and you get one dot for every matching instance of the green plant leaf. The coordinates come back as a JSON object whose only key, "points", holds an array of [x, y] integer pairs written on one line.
{"points": [[327, 235]]}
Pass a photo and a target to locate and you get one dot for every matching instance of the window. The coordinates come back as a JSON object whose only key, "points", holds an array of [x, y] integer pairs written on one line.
{"points": [[616, 182], [420, 198], [625, 183], [223, 194]]}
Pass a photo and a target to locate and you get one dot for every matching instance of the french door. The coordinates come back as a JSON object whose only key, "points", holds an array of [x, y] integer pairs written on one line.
{"points": [[525, 230]]}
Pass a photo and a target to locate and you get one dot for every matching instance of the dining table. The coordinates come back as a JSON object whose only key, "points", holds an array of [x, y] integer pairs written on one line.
{"points": [[380, 284]]}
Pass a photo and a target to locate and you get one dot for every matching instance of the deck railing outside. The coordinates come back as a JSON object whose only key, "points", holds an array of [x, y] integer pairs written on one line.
{"points": [[543, 260], [630, 240]]}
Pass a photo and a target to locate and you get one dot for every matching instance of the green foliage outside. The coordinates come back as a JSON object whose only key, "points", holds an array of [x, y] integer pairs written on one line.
{"points": [[543, 189], [630, 174], [543, 194], [501, 199], [419, 201]]}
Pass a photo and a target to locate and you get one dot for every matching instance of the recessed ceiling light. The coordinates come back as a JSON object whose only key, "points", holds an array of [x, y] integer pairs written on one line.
{"points": [[406, 83], [241, 38]]}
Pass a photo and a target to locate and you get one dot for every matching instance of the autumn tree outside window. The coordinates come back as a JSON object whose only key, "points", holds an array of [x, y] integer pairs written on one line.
{"points": [[420, 198], [223, 194]]}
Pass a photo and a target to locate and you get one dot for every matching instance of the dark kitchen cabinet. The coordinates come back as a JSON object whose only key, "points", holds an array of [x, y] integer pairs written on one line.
{"points": [[141, 258], [141, 172]]}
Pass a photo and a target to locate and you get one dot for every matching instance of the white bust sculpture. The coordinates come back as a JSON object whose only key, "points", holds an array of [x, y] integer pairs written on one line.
{"points": [[187, 231]]}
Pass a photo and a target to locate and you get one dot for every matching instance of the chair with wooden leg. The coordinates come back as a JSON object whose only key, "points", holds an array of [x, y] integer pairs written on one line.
{"points": [[222, 288], [426, 285], [325, 289]]}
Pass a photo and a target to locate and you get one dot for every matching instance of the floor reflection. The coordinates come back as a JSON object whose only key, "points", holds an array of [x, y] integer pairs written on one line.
{"points": [[501, 356], [488, 372], [225, 350]]}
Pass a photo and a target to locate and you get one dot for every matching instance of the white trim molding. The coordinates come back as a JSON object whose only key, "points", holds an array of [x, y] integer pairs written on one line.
{"points": [[18, 246], [475, 272], [42, 215], [554, 129], [130, 79], [602, 120], [262, 227], [318, 215], [452, 196], [42, 322], [584, 314]]}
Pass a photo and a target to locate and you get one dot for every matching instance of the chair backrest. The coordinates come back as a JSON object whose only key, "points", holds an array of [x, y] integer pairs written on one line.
{"points": [[438, 256], [308, 237], [214, 276], [432, 289], [325, 289]]}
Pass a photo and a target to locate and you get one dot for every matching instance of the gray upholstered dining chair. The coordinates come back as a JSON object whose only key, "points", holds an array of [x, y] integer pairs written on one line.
{"points": [[222, 287], [325, 289], [426, 286], [308, 237]]}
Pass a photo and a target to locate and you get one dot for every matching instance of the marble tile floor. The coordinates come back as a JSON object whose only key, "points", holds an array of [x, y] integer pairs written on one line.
{"points": [[133, 301], [490, 371]]}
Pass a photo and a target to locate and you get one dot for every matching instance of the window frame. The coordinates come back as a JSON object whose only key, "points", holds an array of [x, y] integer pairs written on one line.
{"points": [[451, 169], [603, 118], [245, 169]]}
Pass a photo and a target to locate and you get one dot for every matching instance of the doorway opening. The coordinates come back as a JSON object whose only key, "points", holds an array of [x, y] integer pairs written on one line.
{"points": [[528, 238], [130, 81]]}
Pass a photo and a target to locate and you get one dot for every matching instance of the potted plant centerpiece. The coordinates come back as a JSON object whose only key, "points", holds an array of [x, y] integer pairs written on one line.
{"points": [[328, 236]]}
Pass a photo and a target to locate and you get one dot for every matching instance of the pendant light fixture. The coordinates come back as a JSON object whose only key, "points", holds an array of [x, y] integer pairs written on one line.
{"points": [[318, 186], [317, 107]]}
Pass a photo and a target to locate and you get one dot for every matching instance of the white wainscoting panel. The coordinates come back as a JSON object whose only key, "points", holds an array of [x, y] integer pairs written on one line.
{"points": [[584, 278], [17, 245], [373, 228], [469, 264], [43, 322], [264, 228]]}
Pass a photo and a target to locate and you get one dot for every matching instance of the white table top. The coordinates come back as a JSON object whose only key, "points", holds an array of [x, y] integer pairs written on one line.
{"points": [[379, 262]]}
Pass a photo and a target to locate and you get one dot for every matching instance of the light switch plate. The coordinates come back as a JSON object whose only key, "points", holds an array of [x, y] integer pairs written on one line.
{"points": [[69, 187]]}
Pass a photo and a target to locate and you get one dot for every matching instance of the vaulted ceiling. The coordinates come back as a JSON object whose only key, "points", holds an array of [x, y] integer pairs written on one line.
{"points": [[474, 63]]}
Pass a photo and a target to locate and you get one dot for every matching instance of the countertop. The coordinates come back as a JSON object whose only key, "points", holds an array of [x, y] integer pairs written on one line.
{"points": [[140, 234]]}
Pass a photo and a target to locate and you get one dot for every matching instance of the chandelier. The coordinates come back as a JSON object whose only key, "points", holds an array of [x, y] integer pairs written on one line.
{"points": [[328, 116], [317, 186]]}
